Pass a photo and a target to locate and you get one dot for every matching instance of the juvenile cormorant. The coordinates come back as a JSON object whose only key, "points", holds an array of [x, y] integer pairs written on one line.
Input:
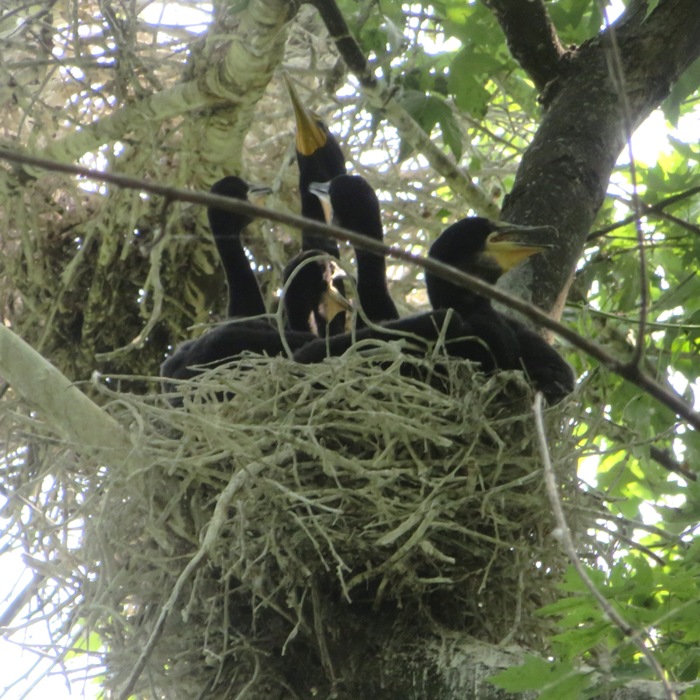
{"points": [[244, 297], [475, 331], [309, 291], [311, 299], [350, 202]]}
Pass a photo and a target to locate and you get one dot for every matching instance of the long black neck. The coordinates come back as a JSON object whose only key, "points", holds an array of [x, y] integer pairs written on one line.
{"points": [[244, 297], [445, 295], [372, 288], [321, 166]]}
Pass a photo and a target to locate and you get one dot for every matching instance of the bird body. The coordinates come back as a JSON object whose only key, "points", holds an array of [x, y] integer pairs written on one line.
{"points": [[487, 249], [417, 331], [470, 327], [349, 201], [309, 290], [244, 296]]}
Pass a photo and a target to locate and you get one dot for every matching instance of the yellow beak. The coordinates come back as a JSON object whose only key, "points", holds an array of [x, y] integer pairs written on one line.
{"points": [[511, 244], [334, 303], [257, 194], [310, 136]]}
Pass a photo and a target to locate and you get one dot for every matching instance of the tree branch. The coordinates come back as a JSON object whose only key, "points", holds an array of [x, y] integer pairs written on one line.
{"points": [[563, 176], [383, 99], [532, 38], [61, 404], [631, 373], [656, 210], [563, 534]]}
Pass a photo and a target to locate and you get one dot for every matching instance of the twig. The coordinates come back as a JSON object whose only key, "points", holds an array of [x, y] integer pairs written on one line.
{"points": [[563, 534], [218, 520], [617, 75], [650, 210], [631, 373], [384, 99]]}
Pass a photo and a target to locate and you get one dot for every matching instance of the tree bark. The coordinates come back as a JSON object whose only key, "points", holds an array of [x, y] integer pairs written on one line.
{"points": [[563, 176]]}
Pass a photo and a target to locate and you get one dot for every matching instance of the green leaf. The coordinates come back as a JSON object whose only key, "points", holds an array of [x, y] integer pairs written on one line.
{"points": [[468, 90], [554, 680], [430, 111], [685, 86]]}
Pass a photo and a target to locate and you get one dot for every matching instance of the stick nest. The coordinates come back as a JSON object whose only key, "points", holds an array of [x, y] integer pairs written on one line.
{"points": [[321, 500]]}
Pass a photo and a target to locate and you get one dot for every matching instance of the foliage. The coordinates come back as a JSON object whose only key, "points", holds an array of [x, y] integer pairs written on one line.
{"points": [[106, 280]]}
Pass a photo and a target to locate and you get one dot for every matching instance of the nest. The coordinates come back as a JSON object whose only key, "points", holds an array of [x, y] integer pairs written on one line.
{"points": [[318, 501]]}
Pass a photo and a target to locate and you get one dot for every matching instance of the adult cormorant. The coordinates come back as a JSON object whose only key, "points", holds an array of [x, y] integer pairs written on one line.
{"points": [[349, 201], [309, 290], [474, 330], [487, 249], [244, 297]]}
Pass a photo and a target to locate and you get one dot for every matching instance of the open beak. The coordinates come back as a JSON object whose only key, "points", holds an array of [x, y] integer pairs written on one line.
{"points": [[334, 303], [310, 136], [511, 244], [322, 191]]}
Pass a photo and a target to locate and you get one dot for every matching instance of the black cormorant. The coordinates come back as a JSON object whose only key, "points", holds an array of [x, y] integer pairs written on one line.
{"points": [[244, 297], [349, 201], [310, 290], [320, 159], [311, 298], [474, 331], [487, 249]]}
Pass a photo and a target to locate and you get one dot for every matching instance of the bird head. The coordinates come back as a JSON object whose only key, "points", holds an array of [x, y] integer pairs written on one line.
{"points": [[223, 222], [349, 201], [313, 140], [485, 249], [309, 287]]}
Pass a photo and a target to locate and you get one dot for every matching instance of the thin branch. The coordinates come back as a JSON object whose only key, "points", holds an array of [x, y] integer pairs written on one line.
{"points": [[617, 75], [531, 36], [652, 210], [563, 534], [383, 98], [631, 373]]}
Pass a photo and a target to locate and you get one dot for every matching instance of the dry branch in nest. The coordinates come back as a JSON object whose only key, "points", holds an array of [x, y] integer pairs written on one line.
{"points": [[322, 501]]}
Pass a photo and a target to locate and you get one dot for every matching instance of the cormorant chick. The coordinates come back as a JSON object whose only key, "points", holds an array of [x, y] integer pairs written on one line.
{"points": [[320, 159], [312, 299], [244, 297], [349, 201], [309, 290]]}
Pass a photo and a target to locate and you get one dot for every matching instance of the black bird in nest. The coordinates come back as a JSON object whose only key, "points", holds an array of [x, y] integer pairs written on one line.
{"points": [[467, 322], [349, 201], [320, 159], [487, 249], [309, 292]]}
